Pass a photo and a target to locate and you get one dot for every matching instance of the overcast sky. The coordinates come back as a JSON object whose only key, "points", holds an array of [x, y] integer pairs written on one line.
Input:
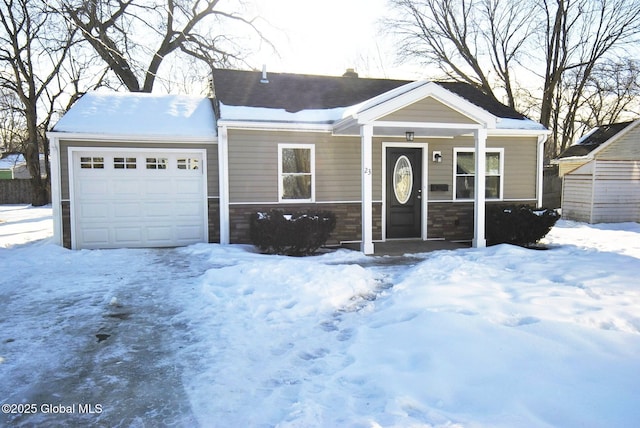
{"points": [[327, 37]]}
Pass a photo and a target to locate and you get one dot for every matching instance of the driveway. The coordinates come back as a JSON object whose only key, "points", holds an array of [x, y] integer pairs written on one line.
{"points": [[86, 357]]}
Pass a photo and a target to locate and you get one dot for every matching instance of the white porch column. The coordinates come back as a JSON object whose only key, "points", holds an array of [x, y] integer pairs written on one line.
{"points": [[366, 143], [479, 240], [223, 179]]}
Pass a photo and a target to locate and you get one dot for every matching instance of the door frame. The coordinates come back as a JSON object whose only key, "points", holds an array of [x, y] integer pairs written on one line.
{"points": [[425, 175]]}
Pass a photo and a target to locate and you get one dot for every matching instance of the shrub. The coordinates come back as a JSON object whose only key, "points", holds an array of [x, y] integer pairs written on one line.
{"points": [[518, 225], [298, 234]]}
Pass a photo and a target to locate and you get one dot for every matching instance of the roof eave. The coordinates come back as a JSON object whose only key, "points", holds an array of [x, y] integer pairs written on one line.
{"points": [[275, 125], [142, 138]]}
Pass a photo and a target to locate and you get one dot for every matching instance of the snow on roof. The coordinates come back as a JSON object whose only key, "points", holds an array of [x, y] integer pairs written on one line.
{"points": [[264, 114], [115, 113], [525, 123]]}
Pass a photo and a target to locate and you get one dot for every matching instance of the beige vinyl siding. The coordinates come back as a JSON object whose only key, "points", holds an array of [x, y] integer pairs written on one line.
{"points": [[253, 165], [520, 165], [253, 169], [625, 148], [212, 159], [338, 170], [577, 195], [603, 191], [428, 110], [616, 191], [565, 167]]}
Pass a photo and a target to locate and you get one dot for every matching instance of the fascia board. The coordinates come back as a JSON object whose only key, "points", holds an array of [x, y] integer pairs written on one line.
{"points": [[276, 126], [506, 132], [134, 138], [429, 89], [571, 159]]}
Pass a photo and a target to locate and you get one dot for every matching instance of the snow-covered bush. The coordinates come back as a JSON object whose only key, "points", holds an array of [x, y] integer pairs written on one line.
{"points": [[519, 225], [297, 234]]}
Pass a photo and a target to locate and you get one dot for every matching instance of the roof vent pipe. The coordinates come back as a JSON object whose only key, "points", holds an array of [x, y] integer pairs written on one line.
{"points": [[264, 74]]}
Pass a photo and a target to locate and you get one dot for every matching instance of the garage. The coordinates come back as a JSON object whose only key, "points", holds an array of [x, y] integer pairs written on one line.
{"points": [[135, 170], [137, 197]]}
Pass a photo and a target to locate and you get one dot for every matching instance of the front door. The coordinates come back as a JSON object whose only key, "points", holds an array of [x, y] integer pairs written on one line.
{"points": [[404, 192]]}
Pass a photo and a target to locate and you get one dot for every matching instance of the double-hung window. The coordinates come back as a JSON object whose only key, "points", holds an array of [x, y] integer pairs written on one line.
{"points": [[296, 171], [465, 173]]}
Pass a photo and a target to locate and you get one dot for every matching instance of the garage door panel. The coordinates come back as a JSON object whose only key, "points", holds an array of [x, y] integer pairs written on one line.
{"points": [[189, 187], [156, 187], [159, 233], [157, 210], [92, 188], [95, 237], [118, 202], [127, 235], [126, 187], [189, 232], [96, 211], [126, 211], [189, 209]]}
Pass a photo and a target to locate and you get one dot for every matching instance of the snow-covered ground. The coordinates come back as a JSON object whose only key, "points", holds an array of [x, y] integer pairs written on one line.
{"points": [[219, 336]]}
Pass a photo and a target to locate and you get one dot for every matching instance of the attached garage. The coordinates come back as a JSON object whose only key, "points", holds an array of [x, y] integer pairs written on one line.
{"points": [[123, 198], [135, 171]]}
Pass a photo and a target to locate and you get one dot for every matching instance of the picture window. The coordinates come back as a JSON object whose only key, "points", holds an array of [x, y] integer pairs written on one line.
{"points": [[296, 170], [465, 174]]}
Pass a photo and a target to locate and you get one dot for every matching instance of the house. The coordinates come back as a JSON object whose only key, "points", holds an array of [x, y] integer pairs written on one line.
{"points": [[392, 159], [601, 175], [14, 166]]}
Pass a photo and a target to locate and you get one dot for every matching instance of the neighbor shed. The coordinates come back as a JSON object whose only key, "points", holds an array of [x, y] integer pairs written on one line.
{"points": [[601, 175]]}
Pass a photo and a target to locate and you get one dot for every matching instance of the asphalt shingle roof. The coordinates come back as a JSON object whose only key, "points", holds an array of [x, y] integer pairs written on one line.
{"points": [[592, 141], [296, 92]]}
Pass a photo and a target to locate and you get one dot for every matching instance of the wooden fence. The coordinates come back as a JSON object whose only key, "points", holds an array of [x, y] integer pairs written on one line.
{"points": [[552, 190], [15, 192]]}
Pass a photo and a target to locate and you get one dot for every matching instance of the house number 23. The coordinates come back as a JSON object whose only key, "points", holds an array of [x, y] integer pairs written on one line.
{"points": [[367, 171]]}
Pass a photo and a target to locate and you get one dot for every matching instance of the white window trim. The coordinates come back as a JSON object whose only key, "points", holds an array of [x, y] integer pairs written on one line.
{"points": [[310, 147], [457, 150]]}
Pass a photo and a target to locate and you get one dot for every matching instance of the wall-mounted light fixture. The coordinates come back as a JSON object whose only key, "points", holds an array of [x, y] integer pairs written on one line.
{"points": [[409, 135], [437, 156]]}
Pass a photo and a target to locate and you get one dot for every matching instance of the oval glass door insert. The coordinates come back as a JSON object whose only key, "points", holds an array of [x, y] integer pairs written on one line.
{"points": [[403, 179]]}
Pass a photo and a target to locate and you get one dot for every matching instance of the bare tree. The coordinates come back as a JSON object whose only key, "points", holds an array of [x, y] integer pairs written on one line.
{"points": [[579, 36], [134, 37], [482, 42], [33, 50], [611, 94], [474, 41], [11, 123]]}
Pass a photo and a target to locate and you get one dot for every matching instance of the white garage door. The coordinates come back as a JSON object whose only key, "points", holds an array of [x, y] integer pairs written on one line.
{"points": [[126, 198]]}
